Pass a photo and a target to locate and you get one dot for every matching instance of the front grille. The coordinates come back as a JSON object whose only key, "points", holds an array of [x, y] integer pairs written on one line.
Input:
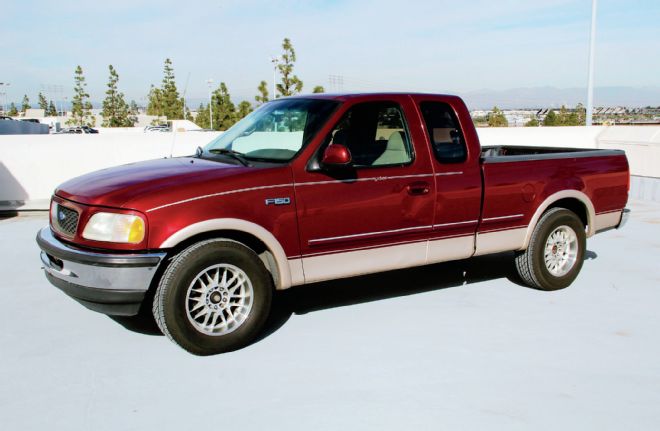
{"points": [[66, 220]]}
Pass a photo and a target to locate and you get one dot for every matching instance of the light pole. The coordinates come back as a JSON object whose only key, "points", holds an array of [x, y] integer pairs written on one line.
{"points": [[4, 93], [590, 82], [275, 62], [210, 83]]}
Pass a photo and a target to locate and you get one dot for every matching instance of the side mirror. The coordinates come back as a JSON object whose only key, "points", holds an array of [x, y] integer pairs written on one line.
{"points": [[336, 155]]}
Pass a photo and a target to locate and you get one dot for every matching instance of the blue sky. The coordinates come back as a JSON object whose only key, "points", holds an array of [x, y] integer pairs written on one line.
{"points": [[438, 46]]}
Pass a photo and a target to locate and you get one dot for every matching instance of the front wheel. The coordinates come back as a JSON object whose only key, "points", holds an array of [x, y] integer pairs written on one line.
{"points": [[555, 253], [213, 297]]}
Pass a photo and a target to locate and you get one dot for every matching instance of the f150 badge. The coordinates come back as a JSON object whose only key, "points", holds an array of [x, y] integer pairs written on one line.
{"points": [[278, 201]]}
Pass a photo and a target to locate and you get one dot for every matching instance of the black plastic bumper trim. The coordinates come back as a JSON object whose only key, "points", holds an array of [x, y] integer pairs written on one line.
{"points": [[106, 301], [54, 247]]}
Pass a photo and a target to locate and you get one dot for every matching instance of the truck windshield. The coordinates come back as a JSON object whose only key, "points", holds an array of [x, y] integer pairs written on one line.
{"points": [[276, 131]]}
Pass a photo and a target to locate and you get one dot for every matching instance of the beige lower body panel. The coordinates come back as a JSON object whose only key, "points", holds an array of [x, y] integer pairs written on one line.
{"points": [[606, 220], [296, 270], [443, 250], [499, 241], [311, 269], [358, 262]]}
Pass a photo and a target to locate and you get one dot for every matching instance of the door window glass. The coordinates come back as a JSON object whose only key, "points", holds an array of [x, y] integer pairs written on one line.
{"points": [[375, 133]]}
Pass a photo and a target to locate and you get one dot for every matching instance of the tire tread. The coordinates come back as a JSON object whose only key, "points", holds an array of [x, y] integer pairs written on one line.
{"points": [[177, 261], [524, 260]]}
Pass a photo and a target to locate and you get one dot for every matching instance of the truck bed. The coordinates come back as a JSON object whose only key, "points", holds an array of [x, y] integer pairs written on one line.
{"points": [[505, 153]]}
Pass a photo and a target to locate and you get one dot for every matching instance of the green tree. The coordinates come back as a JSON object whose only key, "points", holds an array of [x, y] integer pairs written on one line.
{"points": [[187, 115], [572, 119], [172, 104], [133, 112], [581, 114], [133, 108], [262, 97], [244, 108], [533, 122], [52, 111], [202, 117], [81, 107], [562, 118], [26, 104], [43, 103], [155, 103], [12, 112], [551, 119], [318, 89], [497, 118], [291, 84], [224, 110], [116, 112]]}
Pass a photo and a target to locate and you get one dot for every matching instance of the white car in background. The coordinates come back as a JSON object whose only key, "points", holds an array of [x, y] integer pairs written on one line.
{"points": [[159, 128]]}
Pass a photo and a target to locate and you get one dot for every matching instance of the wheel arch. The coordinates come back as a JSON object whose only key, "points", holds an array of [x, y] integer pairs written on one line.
{"points": [[251, 235], [573, 200]]}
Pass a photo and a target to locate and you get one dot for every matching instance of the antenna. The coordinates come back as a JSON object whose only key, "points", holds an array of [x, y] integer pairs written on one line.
{"points": [[185, 88]]}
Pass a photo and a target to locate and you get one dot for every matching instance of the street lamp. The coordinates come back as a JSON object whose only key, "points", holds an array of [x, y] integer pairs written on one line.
{"points": [[210, 83], [590, 82]]}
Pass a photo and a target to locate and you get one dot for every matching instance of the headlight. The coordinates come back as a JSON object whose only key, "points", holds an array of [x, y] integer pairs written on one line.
{"points": [[113, 227]]}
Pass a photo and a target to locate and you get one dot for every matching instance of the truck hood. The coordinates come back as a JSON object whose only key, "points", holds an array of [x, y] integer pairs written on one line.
{"points": [[136, 185]]}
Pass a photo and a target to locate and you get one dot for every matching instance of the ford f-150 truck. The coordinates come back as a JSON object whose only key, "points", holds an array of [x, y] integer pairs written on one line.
{"points": [[314, 188]]}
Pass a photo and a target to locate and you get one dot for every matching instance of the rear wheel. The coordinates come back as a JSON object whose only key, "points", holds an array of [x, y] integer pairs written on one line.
{"points": [[555, 253], [214, 297]]}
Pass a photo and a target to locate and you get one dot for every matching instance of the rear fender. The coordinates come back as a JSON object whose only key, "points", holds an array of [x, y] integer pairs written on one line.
{"points": [[564, 194]]}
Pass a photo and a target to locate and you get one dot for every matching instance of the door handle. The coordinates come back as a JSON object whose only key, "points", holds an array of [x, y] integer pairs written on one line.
{"points": [[418, 188]]}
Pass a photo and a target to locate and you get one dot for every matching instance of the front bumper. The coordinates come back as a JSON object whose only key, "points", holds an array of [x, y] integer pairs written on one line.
{"points": [[108, 283]]}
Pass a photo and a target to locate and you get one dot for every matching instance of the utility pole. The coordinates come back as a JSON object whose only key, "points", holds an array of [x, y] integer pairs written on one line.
{"points": [[210, 83], [590, 82]]}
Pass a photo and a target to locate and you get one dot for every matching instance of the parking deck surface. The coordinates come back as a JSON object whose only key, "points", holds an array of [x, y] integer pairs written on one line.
{"points": [[451, 346]]}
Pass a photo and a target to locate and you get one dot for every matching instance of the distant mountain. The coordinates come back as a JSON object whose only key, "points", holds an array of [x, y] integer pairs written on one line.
{"points": [[542, 97]]}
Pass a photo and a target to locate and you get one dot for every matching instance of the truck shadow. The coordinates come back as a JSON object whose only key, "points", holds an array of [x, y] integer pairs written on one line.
{"points": [[367, 288], [301, 300]]}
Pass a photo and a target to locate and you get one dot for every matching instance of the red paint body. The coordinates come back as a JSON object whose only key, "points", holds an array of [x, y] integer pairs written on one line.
{"points": [[418, 201]]}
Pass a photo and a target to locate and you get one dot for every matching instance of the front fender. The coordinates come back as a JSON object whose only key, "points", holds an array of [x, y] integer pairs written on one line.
{"points": [[289, 271]]}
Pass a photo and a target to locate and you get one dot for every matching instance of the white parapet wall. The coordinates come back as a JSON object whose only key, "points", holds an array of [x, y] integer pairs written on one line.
{"points": [[641, 143], [32, 166]]}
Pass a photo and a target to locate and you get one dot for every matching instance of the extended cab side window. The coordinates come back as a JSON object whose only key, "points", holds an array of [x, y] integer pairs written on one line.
{"points": [[444, 132], [375, 133]]}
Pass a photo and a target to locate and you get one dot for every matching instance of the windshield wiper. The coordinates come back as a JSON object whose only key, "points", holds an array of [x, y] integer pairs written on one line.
{"points": [[231, 153]]}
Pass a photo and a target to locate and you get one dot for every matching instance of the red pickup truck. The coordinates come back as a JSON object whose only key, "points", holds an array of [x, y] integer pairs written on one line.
{"points": [[320, 187]]}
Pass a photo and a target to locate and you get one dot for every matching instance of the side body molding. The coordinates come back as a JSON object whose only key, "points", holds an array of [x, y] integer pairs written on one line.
{"points": [[564, 194], [282, 279]]}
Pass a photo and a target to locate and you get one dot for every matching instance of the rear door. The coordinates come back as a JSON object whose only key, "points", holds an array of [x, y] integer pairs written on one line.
{"points": [[378, 214], [457, 177]]}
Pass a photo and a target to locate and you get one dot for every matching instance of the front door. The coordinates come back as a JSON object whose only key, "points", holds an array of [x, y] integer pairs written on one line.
{"points": [[378, 213]]}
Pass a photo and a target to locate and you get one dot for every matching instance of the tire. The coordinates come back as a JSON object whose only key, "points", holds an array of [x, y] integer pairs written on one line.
{"points": [[561, 236], [214, 297]]}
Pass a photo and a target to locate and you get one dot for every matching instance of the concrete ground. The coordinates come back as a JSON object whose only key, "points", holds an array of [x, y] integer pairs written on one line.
{"points": [[451, 346]]}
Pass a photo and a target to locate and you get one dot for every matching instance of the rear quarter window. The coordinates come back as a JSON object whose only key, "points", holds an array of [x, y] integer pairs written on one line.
{"points": [[444, 133]]}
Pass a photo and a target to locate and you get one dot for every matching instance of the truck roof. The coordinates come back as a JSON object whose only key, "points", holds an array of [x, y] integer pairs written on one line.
{"points": [[364, 95]]}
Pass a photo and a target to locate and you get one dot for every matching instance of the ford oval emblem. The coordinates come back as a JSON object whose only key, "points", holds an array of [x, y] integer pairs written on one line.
{"points": [[61, 216]]}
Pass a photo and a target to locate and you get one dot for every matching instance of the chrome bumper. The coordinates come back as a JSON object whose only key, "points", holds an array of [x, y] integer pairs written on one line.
{"points": [[625, 214], [108, 283]]}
